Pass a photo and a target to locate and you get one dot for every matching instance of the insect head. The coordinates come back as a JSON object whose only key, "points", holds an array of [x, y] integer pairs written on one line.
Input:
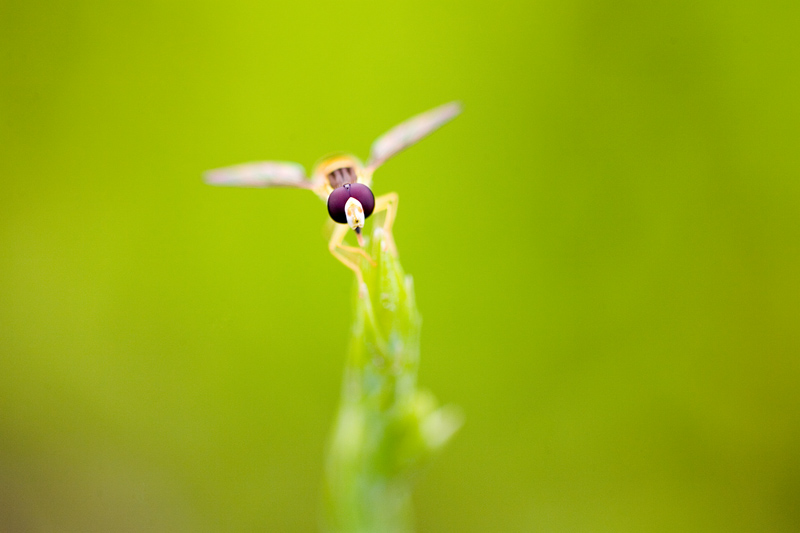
{"points": [[351, 204]]}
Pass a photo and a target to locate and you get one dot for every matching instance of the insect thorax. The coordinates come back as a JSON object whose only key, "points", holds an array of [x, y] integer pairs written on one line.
{"points": [[340, 176]]}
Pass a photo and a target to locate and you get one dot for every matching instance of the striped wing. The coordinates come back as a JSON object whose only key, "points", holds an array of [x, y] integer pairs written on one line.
{"points": [[409, 132], [261, 174]]}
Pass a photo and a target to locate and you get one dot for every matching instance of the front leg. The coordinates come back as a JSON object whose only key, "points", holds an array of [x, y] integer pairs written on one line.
{"points": [[347, 254]]}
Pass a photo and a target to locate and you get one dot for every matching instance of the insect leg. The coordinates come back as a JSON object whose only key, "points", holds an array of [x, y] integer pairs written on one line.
{"points": [[388, 202], [342, 252]]}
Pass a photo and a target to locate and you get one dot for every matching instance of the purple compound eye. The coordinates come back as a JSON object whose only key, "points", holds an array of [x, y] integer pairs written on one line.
{"points": [[361, 192], [336, 201], [338, 198]]}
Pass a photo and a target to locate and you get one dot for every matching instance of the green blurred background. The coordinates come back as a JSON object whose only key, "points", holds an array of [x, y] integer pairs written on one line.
{"points": [[624, 340]]}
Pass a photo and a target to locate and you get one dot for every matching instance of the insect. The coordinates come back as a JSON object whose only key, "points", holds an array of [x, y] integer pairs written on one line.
{"points": [[343, 182]]}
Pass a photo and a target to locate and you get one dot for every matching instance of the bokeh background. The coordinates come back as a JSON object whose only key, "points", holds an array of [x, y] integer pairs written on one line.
{"points": [[605, 246]]}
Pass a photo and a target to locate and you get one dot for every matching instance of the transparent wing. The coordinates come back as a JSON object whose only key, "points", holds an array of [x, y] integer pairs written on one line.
{"points": [[407, 133], [261, 174]]}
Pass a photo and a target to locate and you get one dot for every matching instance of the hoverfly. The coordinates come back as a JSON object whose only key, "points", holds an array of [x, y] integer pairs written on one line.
{"points": [[343, 182]]}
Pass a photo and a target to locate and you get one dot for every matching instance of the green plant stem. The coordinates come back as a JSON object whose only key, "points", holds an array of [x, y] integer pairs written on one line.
{"points": [[386, 429]]}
